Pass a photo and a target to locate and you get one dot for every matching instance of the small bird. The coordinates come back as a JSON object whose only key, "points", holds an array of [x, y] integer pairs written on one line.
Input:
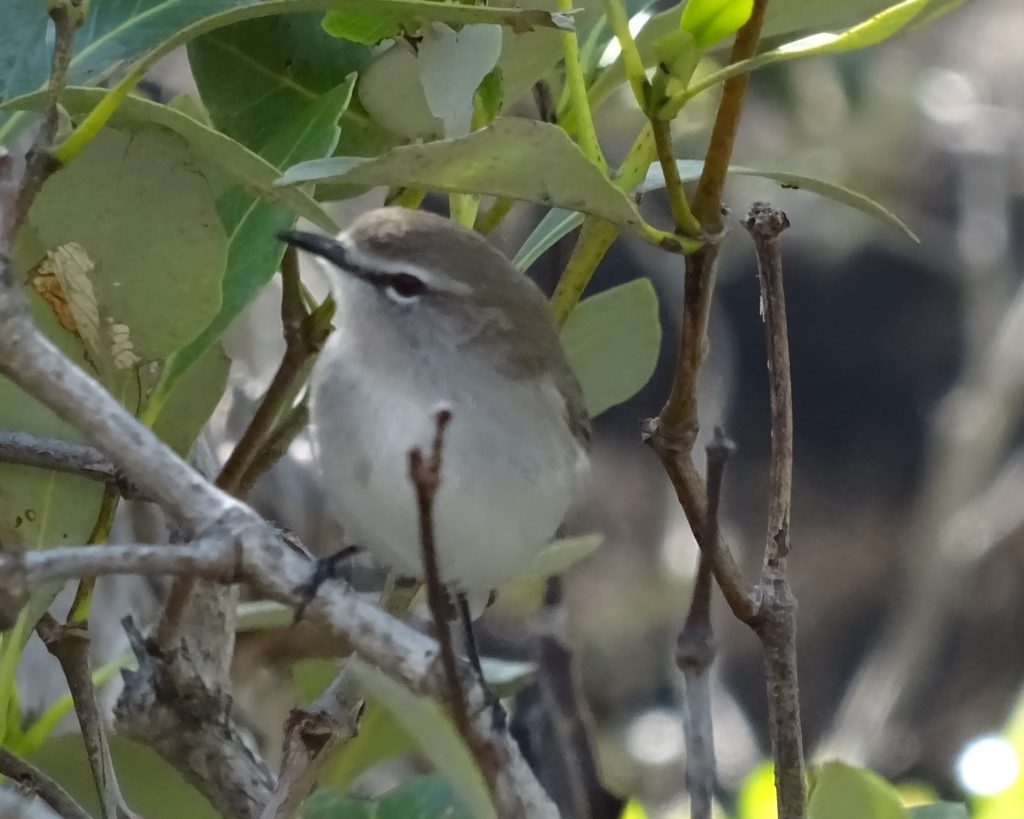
{"points": [[430, 317]]}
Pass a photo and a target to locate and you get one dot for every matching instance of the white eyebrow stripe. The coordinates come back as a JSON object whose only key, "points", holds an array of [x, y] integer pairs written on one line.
{"points": [[390, 267]]}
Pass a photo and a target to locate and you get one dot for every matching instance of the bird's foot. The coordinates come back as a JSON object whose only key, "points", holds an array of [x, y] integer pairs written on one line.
{"points": [[326, 568]]}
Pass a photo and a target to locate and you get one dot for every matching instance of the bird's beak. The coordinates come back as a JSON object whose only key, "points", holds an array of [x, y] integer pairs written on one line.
{"points": [[323, 246]]}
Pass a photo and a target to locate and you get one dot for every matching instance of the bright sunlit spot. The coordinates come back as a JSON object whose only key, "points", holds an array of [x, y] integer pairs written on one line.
{"points": [[987, 765], [656, 737], [612, 50]]}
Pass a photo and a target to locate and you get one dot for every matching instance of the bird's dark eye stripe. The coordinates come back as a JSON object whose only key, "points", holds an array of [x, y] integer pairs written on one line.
{"points": [[406, 285]]}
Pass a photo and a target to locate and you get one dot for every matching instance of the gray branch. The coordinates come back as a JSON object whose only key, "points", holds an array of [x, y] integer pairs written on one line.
{"points": [[27, 775]]}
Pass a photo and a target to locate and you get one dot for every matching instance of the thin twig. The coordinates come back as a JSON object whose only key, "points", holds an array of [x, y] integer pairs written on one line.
{"points": [[310, 737], [776, 625], [679, 416], [743, 597], [67, 16], [304, 335], [41, 785], [275, 447], [70, 645], [425, 474], [571, 753], [707, 200], [696, 649], [59, 455]]}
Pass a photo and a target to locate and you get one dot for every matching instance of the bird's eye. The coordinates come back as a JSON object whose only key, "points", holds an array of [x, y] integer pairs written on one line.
{"points": [[404, 288]]}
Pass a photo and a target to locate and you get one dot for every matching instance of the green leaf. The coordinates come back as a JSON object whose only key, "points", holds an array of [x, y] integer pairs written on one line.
{"points": [[677, 52], [428, 797], [612, 341], [939, 810], [381, 737], [712, 20], [367, 27], [518, 158], [840, 791], [193, 402], [559, 222], [325, 804], [882, 26], [556, 223], [690, 169], [312, 675], [144, 214], [254, 251], [525, 593], [39, 508], [783, 18], [489, 97], [151, 786], [209, 146], [256, 74], [24, 55], [428, 724], [506, 677]]}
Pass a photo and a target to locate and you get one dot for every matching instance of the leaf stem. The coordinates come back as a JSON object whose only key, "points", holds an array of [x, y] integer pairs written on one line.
{"points": [[632, 62], [598, 235], [579, 106]]}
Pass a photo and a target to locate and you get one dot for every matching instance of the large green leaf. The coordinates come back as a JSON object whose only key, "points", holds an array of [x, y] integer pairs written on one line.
{"points": [[612, 342], [690, 169], [196, 397], [138, 205], [254, 251], [254, 74], [518, 158], [209, 146], [427, 723], [150, 785], [558, 222], [840, 791], [39, 508]]}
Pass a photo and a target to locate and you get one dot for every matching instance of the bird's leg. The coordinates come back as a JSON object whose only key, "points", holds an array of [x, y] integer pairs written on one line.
{"points": [[498, 716], [326, 568]]}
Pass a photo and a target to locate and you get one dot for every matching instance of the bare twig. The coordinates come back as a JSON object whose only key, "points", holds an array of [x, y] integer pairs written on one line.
{"points": [[70, 645], [41, 785], [743, 598], [67, 15], [425, 474], [310, 737], [696, 648], [572, 754], [62, 456], [776, 625], [275, 447], [304, 335], [707, 201]]}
